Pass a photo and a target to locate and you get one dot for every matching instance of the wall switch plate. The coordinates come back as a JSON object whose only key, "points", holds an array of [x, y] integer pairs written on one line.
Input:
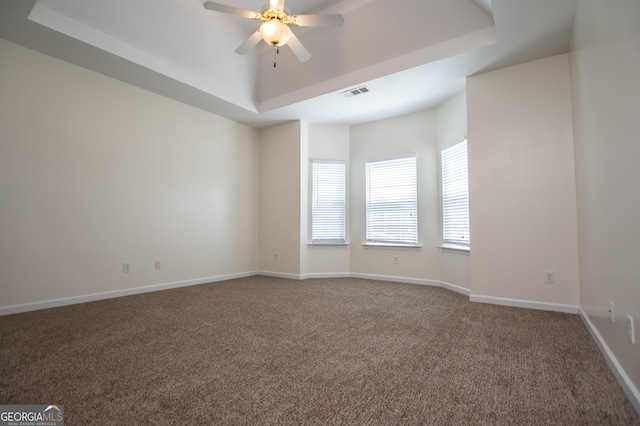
{"points": [[396, 260], [157, 264], [126, 267], [275, 257], [611, 313], [631, 332]]}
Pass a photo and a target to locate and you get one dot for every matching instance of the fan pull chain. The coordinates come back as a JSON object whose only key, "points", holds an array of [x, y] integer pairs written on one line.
{"points": [[276, 51]]}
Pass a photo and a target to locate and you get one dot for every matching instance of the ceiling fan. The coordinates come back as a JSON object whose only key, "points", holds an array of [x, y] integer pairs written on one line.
{"points": [[275, 29]]}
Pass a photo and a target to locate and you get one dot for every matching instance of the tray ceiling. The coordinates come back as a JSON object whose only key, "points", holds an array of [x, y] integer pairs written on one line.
{"points": [[411, 54]]}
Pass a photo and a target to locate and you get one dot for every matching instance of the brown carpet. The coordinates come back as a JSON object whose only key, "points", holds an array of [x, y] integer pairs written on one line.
{"points": [[333, 351]]}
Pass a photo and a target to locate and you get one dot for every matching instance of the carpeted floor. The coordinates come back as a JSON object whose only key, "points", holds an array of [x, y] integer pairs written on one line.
{"points": [[333, 351]]}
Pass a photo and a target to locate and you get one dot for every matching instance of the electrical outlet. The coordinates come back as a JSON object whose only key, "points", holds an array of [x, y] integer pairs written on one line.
{"points": [[549, 277], [126, 267], [275, 257], [611, 313], [631, 333], [396, 260], [157, 265]]}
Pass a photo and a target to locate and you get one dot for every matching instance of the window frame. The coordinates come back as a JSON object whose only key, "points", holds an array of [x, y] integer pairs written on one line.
{"points": [[373, 237], [447, 173], [335, 239]]}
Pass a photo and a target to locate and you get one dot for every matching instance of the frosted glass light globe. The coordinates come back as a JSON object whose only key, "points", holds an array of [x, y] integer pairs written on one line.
{"points": [[275, 32]]}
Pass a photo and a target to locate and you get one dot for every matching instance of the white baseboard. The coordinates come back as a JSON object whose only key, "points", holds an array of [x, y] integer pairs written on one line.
{"points": [[326, 275], [418, 281], [54, 303], [348, 275], [296, 277], [403, 280], [625, 382], [516, 303], [452, 287], [455, 288]]}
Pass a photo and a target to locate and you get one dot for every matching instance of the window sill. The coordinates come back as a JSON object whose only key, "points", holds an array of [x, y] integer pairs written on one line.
{"points": [[455, 248], [389, 245], [318, 244]]}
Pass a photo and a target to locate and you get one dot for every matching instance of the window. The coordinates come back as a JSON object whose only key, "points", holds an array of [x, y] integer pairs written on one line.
{"points": [[328, 202], [455, 195], [392, 201]]}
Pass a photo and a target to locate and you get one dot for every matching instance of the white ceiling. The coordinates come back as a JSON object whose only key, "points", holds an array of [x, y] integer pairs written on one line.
{"points": [[411, 54]]}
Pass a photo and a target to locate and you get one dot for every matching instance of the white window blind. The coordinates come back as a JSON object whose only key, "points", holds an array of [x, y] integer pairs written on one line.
{"points": [[455, 195], [392, 201], [328, 202]]}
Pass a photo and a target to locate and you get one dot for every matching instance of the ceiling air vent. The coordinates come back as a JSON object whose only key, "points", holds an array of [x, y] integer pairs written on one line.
{"points": [[354, 92]]}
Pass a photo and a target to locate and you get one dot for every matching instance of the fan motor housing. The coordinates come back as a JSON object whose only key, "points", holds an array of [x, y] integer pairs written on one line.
{"points": [[271, 13]]}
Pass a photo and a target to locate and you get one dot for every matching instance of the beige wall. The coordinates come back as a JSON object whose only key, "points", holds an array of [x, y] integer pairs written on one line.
{"points": [[522, 184], [452, 119], [452, 126], [94, 172], [605, 65], [280, 199], [412, 133]]}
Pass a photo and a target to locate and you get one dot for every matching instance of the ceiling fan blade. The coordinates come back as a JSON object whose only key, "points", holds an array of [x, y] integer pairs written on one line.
{"points": [[230, 9], [298, 49], [249, 44], [277, 4], [330, 20]]}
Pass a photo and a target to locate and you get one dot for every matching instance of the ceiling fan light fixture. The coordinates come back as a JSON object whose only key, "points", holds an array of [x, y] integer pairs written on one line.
{"points": [[275, 29], [275, 33]]}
